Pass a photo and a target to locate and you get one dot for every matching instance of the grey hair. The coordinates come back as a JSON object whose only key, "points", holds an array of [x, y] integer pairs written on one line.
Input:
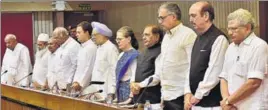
{"points": [[60, 32], [172, 8], [243, 16], [10, 36]]}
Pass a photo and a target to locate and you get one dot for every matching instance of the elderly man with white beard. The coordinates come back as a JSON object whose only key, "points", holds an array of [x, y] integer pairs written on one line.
{"points": [[41, 62]]}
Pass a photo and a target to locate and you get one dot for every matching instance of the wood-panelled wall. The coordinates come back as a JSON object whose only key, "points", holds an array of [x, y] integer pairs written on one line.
{"points": [[138, 14]]}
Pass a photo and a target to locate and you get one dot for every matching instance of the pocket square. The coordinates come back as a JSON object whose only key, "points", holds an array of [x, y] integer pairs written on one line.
{"points": [[203, 50]]}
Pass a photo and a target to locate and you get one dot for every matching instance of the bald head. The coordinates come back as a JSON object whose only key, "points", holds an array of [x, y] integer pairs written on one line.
{"points": [[205, 7], [201, 16], [61, 34], [11, 41]]}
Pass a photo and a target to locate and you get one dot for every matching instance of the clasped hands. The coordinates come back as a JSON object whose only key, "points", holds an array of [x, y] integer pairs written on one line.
{"points": [[224, 106], [135, 87], [189, 101]]}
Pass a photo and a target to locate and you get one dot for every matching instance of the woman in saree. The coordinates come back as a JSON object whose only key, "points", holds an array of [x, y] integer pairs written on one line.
{"points": [[126, 65]]}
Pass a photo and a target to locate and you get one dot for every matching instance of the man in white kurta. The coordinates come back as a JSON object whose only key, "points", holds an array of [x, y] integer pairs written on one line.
{"points": [[16, 63], [41, 61], [86, 56], [67, 62], [53, 59], [172, 64], [106, 59], [244, 65]]}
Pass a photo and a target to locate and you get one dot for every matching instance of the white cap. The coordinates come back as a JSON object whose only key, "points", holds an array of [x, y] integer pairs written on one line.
{"points": [[102, 29], [43, 37]]}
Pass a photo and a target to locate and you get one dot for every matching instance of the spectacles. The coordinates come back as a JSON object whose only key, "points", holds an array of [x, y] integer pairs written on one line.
{"points": [[119, 39], [162, 18], [233, 29]]}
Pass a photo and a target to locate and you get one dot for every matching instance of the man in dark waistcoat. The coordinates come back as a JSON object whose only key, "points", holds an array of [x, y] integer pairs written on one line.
{"points": [[202, 88], [152, 37]]}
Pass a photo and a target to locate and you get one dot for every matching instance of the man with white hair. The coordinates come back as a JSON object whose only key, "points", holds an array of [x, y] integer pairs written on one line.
{"points": [[244, 65], [41, 62], [16, 62], [106, 59], [67, 62]]}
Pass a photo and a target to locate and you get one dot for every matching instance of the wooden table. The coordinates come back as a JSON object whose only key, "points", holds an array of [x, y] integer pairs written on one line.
{"points": [[45, 100]]}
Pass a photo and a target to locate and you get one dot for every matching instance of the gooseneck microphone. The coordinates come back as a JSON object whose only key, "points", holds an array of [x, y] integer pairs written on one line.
{"points": [[3, 73], [90, 94], [23, 78]]}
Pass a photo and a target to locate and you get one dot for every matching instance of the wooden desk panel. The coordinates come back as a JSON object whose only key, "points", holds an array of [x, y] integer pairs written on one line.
{"points": [[50, 101]]}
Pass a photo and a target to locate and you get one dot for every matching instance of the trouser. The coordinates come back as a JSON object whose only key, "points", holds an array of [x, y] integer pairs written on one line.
{"points": [[175, 104]]}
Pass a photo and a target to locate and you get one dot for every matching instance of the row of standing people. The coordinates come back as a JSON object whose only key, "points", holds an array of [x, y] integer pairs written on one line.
{"points": [[195, 71], [204, 72]]}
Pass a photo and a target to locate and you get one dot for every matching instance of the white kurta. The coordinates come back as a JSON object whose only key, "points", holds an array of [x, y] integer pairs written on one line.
{"points": [[85, 63], [40, 67], [17, 63], [104, 68], [173, 63], [242, 62], [67, 62], [265, 84], [53, 60]]}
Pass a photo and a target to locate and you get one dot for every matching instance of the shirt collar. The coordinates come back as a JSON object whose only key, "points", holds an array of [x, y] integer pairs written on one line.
{"points": [[66, 42], [248, 40], [174, 30], [55, 52], [17, 47], [106, 43], [86, 43]]}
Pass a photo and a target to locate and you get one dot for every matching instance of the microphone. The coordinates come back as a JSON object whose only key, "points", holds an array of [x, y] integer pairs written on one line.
{"points": [[96, 82], [23, 78], [4, 73], [90, 94], [55, 86], [91, 82], [139, 98]]}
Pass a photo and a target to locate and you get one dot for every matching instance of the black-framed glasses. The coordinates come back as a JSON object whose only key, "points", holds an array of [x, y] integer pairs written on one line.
{"points": [[162, 18]]}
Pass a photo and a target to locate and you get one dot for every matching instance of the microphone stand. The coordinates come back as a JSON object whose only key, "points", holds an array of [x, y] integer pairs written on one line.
{"points": [[139, 98], [4, 73], [55, 86], [23, 78]]}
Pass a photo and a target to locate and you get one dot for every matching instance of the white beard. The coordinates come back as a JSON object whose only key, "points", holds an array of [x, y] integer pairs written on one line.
{"points": [[40, 53]]}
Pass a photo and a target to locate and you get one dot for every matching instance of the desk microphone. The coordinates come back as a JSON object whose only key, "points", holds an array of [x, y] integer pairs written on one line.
{"points": [[91, 82], [23, 78], [139, 98], [3, 73], [90, 94]]}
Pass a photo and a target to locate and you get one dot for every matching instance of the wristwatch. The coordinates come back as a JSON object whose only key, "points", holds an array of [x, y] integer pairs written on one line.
{"points": [[227, 102]]}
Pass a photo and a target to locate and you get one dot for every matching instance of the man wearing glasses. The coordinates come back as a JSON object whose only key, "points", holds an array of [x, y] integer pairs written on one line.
{"points": [[243, 71], [172, 64]]}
